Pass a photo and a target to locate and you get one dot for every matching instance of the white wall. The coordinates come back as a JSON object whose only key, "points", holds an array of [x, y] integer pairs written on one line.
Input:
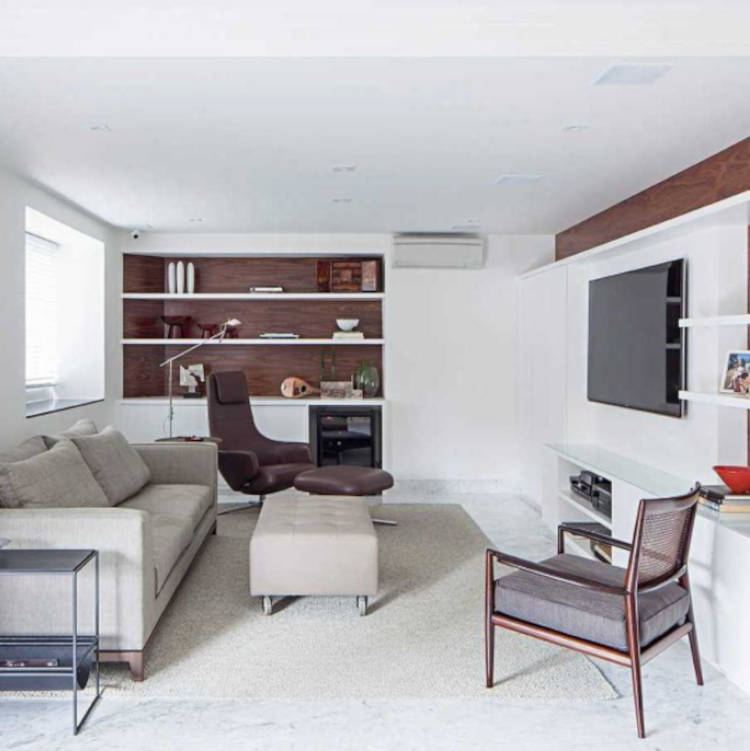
{"points": [[688, 447], [15, 195], [451, 365]]}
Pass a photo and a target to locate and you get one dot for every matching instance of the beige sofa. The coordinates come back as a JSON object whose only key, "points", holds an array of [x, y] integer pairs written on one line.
{"points": [[146, 544]]}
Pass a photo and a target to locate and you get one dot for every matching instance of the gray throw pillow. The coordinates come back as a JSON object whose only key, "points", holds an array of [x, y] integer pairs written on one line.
{"points": [[116, 465], [30, 447], [57, 478], [84, 426]]}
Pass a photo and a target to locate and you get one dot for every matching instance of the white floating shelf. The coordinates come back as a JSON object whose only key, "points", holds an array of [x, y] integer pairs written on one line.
{"points": [[251, 342], [245, 253], [254, 296], [591, 513], [738, 320], [723, 400]]}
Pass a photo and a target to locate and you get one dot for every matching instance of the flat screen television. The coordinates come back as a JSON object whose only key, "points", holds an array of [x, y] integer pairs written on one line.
{"points": [[636, 354]]}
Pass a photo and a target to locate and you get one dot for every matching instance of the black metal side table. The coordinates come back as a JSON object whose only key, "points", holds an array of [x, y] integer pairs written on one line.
{"points": [[49, 663]]}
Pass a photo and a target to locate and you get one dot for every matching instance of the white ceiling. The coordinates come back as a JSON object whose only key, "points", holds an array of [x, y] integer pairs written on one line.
{"points": [[250, 144], [362, 28]]}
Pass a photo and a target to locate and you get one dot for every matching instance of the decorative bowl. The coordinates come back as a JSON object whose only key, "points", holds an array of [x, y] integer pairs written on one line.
{"points": [[347, 324], [736, 478]]}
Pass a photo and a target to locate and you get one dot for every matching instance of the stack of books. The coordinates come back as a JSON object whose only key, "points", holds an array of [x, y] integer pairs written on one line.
{"points": [[720, 498], [348, 335]]}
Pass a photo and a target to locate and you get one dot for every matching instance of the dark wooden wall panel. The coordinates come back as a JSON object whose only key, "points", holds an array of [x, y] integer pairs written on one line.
{"points": [[142, 274], [141, 319], [141, 374], [724, 174], [265, 366], [307, 318]]}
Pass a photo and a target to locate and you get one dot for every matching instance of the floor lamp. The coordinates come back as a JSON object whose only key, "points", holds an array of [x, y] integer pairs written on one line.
{"points": [[219, 335]]}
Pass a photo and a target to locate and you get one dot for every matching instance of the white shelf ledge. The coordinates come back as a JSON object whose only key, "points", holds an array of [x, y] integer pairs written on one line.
{"points": [[737, 320], [253, 342], [723, 400], [258, 401], [244, 253], [254, 296], [591, 513]]}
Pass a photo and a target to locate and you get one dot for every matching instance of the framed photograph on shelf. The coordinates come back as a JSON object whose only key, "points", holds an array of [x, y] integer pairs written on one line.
{"points": [[736, 375]]}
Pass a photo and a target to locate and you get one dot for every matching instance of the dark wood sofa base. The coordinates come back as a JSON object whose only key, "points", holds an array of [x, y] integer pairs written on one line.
{"points": [[134, 660]]}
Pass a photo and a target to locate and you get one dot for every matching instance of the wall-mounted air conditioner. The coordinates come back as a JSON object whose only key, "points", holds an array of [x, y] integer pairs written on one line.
{"points": [[453, 251]]}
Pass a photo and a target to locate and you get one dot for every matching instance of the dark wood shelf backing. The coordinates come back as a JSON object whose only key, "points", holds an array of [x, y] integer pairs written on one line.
{"points": [[265, 366], [142, 274], [231, 274], [309, 319]]}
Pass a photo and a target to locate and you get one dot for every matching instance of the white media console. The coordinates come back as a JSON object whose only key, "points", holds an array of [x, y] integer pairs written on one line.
{"points": [[719, 556]]}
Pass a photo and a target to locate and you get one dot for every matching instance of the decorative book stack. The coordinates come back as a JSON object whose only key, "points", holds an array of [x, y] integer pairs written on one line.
{"points": [[720, 498], [348, 335]]}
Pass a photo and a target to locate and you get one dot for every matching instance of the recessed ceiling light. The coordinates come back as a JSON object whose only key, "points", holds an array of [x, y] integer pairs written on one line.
{"points": [[196, 219], [342, 200], [341, 168], [518, 179], [574, 128], [631, 75], [100, 128]]}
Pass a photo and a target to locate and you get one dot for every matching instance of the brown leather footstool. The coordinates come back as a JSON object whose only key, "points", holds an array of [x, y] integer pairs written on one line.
{"points": [[342, 479]]}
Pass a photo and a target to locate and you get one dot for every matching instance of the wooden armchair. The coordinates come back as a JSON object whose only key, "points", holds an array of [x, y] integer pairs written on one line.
{"points": [[623, 615]]}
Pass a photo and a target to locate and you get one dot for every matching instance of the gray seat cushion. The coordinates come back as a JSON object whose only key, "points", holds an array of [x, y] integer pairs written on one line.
{"points": [[189, 502], [116, 465], [595, 616], [56, 478], [171, 536]]}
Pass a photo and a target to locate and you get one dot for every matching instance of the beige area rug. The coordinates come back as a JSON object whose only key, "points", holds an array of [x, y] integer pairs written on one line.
{"points": [[421, 639]]}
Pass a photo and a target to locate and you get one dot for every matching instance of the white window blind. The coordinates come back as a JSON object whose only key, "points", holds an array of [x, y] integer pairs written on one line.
{"points": [[41, 310]]}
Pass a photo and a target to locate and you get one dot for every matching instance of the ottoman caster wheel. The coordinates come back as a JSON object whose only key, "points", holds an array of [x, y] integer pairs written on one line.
{"points": [[267, 605], [362, 604]]}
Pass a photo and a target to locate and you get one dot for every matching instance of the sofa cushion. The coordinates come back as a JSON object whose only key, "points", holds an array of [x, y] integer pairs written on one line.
{"points": [[58, 477], [184, 501], [171, 536], [587, 614], [84, 426], [116, 465], [30, 447]]}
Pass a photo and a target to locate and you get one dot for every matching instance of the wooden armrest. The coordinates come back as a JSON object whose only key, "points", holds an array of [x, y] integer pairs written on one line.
{"points": [[591, 535], [552, 573]]}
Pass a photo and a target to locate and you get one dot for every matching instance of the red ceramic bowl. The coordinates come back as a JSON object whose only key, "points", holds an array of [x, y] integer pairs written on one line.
{"points": [[737, 478]]}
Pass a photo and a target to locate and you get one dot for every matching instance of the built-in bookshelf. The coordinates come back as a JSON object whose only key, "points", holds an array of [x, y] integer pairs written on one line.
{"points": [[305, 307]]}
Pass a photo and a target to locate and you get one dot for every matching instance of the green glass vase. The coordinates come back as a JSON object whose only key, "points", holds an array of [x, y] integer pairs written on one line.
{"points": [[367, 378]]}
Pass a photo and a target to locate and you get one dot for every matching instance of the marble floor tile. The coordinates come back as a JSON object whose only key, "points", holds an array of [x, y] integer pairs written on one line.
{"points": [[680, 716]]}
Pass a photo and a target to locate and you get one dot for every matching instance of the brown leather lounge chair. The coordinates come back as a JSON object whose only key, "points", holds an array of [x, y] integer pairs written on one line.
{"points": [[250, 462]]}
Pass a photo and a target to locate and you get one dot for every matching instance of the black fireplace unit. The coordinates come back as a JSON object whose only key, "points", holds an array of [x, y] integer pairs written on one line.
{"points": [[346, 435]]}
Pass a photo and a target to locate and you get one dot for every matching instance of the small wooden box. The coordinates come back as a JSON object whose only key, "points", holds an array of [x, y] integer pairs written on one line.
{"points": [[346, 276]]}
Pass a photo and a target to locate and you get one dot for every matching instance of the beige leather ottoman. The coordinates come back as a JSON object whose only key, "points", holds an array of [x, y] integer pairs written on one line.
{"points": [[314, 546]]}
